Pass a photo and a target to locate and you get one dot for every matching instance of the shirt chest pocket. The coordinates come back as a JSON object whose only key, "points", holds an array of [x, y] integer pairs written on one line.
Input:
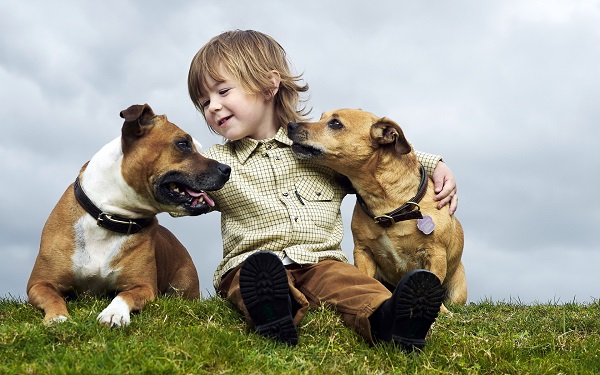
{"points": [[318, 198], [314, 189]]}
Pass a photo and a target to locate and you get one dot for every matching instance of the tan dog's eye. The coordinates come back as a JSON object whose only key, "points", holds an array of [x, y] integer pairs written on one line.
{"points": [[335, 124]]}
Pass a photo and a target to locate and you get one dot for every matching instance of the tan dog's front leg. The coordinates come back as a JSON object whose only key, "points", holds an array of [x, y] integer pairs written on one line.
{"points": [[45, 297], [116, 314], [364, 261], [456, 286], [438, 266]]}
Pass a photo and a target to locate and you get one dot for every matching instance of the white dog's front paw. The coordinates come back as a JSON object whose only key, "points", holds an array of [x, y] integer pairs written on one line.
{"points": [[59, 319], [56, 319], [116, 314]]}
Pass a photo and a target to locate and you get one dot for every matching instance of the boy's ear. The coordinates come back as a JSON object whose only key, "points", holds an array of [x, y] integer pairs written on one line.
{"points": [[275, 79]]}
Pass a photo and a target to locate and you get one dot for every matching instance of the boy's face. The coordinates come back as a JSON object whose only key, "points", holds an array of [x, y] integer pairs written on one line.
{"points": [[234, 114]]}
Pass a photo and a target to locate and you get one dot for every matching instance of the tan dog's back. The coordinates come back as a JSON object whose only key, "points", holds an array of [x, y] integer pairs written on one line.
{"points": [[389, 253], [383, 168]]}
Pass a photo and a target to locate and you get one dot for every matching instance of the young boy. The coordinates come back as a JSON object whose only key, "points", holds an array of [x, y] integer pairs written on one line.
{"points": [[280, 216]]}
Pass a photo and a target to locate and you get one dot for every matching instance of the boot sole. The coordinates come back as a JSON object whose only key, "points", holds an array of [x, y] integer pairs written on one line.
{"points": [[417, 305], [265, 292]]}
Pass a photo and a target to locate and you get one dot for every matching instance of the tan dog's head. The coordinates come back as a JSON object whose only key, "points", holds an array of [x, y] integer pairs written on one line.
{"points": [[161, 162], [346, 139]]}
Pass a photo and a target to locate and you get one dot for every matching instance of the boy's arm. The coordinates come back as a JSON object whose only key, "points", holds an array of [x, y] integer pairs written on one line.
{"points": [[443, 180], [429, 161]]}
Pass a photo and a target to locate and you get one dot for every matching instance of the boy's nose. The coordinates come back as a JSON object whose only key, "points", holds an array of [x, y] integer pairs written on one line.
{"points": [[214, 106]]}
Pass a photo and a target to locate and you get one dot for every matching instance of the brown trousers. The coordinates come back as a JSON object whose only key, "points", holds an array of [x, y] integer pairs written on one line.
{"points": [[354, 295]]}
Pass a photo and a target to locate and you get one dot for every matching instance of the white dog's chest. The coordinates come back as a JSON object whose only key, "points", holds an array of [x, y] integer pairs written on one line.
{"points": [[94, 250]]}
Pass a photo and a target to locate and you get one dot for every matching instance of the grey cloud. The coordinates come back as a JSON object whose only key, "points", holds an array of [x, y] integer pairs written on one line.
{"points": [[506, 91]]}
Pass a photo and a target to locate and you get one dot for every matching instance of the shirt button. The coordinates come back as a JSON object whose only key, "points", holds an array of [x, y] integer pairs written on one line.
{"points": [[285, 194]]}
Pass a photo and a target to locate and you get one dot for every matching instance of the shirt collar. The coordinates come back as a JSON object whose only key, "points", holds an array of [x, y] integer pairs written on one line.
{"points": [[245, 147]]}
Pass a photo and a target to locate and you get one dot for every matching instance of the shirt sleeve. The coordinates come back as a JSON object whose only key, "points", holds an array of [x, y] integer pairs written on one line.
{"points": [[429, 161]]}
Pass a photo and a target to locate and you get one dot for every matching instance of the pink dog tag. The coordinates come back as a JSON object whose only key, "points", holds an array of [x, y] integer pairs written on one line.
{"points": [[426, 224]]}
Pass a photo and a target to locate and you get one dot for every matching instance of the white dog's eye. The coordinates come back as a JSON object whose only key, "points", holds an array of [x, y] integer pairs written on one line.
{"points": [[335, 124], [184, 145]]}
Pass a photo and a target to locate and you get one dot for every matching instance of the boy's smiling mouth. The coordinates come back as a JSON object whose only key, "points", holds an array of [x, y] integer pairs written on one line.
{"points": [[224, 120]]}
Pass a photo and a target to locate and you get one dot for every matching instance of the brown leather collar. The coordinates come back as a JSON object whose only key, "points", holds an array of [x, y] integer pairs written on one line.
{"points": [[111, 222], [408, 211]]}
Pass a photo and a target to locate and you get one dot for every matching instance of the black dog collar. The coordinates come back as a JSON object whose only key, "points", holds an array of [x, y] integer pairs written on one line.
{"points": [[408, 211], [111, 222]]}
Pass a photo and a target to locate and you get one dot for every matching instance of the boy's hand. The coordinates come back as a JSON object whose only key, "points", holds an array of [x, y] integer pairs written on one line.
{"points": [[445, 187]]}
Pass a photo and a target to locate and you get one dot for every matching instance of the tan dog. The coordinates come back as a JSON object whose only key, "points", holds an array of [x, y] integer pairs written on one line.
{"points": [[103, 235], [393, 221]]}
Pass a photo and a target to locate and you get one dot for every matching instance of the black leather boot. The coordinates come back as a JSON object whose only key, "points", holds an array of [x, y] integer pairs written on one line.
{"points": [[266, 295], [406, 317]]}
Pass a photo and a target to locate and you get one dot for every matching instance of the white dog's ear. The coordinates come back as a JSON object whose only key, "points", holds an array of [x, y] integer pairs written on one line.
{"points": [[386, 131], [138, 119]]}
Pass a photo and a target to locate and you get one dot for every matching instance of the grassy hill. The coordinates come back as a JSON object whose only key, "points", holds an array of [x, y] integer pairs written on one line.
{"points": [[174, 336]]}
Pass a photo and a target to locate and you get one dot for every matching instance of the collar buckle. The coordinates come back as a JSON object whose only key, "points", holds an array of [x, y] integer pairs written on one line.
{"points": [[384, 220], [104, 219]]}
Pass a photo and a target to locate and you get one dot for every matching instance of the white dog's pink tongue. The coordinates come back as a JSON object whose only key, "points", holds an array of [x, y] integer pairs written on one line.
{"points": [[207, 199], [202, 194]]}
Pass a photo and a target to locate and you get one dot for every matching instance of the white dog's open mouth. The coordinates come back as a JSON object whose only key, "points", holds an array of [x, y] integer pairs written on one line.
{"points": [[184, 194]]}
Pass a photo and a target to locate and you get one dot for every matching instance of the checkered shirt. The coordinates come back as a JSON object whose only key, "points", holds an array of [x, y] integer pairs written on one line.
{"points": [[274, 201]]}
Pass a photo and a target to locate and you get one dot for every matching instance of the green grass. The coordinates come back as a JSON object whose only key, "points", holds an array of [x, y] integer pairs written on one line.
{"points": [[173, 336]]}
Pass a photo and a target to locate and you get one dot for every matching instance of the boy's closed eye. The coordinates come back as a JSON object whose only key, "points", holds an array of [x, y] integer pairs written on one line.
{"points": [[221, 92]]}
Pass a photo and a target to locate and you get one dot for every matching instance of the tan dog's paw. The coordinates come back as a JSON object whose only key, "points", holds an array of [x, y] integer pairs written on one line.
{"points": [[116, 314], [444, 311]]}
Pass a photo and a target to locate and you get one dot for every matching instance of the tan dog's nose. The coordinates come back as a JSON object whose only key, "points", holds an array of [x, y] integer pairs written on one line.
{"points": [[292, 126], [294, 132]]}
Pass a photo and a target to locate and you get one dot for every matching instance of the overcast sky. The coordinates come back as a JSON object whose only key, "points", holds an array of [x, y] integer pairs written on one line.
{"points": [[508, 91]]}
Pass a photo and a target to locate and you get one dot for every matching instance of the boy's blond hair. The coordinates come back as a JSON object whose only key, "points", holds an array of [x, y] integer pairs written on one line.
{"points": [[249, 57]]}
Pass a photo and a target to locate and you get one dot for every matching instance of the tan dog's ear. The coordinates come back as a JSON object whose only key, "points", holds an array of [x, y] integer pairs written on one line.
{"points": [[137, 118], [386, 131]]}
